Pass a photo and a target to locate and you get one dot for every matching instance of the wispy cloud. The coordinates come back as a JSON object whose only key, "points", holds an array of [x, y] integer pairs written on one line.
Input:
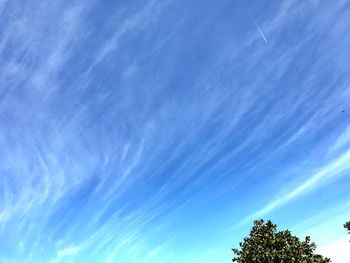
{"points": [[63, 254], [126, 129], [342, 142], [335, 168], [139, 20]]}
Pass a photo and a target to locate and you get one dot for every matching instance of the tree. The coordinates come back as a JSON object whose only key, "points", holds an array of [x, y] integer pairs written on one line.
{"points": [[266, 244], [347, 226]]}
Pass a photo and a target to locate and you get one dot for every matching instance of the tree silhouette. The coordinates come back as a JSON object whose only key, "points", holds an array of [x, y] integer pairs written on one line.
{"points": [[347, 226], [266, 244]]}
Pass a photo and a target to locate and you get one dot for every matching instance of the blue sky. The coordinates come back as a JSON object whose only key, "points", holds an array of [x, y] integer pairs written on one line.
{"points": [[156, 131]]}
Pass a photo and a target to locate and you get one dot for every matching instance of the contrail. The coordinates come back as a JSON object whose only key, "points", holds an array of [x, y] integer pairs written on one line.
{"points": [[261, 34]]}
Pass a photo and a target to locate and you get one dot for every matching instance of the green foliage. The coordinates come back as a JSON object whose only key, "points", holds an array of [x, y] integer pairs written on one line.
{"points": [[267, 245]]}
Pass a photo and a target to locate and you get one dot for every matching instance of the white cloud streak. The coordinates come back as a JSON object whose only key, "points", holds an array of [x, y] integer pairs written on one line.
{"points": [[335, 168], [47, 166], [64, 253]]}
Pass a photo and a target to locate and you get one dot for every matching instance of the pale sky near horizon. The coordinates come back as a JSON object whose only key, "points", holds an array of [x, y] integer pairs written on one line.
{"points": [[157, 131]]}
